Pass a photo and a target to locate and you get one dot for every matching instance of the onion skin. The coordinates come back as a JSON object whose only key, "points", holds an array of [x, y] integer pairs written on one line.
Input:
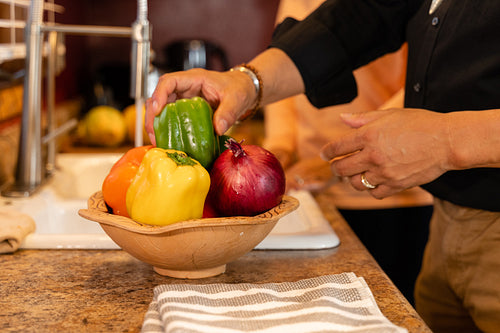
{"points": [[246, 180], [209, 211]]}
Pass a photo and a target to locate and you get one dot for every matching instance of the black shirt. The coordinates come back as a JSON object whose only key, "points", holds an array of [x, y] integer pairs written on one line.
{"points": [[453, 65]]}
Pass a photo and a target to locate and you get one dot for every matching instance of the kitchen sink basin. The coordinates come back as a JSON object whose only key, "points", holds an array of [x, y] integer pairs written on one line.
{"points": [[78, 176], [54, 207], [58, 226]]}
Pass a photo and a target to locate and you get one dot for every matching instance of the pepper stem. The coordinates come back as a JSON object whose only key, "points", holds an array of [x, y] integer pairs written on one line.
{"points": [[235, 147], [181, 158]]}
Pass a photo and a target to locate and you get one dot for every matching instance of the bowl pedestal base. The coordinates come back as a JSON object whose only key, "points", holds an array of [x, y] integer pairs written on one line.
{"points": [[198, 274]]}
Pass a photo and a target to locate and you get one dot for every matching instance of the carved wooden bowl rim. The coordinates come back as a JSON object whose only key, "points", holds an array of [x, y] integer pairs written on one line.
{"points": [[98, 212]]}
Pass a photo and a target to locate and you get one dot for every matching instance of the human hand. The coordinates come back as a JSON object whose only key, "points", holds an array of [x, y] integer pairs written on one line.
{"points": [[312, 175], [285, 156], [230, 94], [395, 149]]}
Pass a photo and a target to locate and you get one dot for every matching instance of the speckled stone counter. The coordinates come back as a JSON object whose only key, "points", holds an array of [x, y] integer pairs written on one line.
{"points": [[109, 291]]}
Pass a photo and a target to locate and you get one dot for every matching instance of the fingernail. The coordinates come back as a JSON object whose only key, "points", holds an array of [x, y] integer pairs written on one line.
{"points": [[155, 104], [152, 138]]}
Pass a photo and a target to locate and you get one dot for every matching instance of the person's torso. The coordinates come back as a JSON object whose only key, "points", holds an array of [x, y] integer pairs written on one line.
{"points": [[454, 64]]}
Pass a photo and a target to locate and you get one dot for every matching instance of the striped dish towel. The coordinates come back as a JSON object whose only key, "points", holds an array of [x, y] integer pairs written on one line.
{"points": [[332, 303]]}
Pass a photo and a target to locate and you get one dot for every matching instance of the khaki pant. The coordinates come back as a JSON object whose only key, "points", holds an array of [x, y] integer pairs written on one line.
{"points": [[458, 289]]}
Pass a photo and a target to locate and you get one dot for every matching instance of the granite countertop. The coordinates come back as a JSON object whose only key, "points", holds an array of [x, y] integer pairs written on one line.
{"points": [[109, 291]]}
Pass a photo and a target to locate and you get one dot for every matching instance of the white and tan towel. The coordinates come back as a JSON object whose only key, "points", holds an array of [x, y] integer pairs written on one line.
{"points": [[332, 303], [14, 227]]}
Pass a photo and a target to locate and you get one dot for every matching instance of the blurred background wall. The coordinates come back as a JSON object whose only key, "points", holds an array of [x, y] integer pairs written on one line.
{"points": [[242, 28]]}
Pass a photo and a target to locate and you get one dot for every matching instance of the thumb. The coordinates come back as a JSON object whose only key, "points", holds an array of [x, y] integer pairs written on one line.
{"points": [[358, 119], [224, 116], [227, 113]]}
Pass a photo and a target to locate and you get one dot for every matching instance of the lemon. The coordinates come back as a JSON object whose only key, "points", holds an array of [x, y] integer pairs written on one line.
{"points": [[129, 113], [105, 126]]}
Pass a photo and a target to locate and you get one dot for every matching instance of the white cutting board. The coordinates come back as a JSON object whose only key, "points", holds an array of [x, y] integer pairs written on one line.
{"points": [[306, 228]]}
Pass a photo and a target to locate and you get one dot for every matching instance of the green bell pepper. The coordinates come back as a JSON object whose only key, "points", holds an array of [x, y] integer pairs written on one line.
{"points": [[186, 125]]}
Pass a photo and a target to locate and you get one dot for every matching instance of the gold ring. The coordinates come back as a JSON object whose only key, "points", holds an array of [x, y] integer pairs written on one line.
{"points": [[366, 183]]}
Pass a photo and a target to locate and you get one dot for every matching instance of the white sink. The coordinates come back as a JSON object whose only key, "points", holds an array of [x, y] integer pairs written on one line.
{"points": [[80, 175], [55, 206], [58, 226]]}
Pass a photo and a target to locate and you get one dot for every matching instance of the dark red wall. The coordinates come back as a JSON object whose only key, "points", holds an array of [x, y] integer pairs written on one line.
{"points": [[242, 27]]}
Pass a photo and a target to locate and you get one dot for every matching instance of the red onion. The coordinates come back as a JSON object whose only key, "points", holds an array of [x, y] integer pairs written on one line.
{"points": [[245, 181]]}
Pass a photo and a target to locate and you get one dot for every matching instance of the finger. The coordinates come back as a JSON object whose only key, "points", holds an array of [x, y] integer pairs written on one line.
{"points": [[383, 191], [350, 165], [291, 185], [161, 93], [169, 88], [152, 138], [222, 122], [149, 119], [160, 97], [175, 85], [371, 179], [314, 186], [356, 183], [226, 115], [346, 145]]}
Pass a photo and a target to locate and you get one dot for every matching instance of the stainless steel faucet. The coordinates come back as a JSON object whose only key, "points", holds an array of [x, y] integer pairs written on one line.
{"points": [[31, 169]]}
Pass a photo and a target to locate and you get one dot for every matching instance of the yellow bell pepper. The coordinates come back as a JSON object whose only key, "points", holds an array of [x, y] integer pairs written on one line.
{"points": [[169, 187]]}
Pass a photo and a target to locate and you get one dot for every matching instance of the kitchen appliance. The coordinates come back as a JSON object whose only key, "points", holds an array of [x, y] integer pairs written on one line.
{"points": [[195, 53]]}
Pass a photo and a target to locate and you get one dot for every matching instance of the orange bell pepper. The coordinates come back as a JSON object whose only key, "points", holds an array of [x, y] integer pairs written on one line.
{"points": [[117, 182]]}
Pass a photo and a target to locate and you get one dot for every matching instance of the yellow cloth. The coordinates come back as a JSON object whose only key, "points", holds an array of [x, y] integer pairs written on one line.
{"points": [[14, 227]]}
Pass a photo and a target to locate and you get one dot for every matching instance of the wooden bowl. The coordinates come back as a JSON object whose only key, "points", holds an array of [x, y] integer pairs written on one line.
{"points": [[189, 249]]}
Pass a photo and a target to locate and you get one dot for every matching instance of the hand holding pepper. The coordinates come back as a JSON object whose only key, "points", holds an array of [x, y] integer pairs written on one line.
{"points": [[230, 93], [186, 125]]}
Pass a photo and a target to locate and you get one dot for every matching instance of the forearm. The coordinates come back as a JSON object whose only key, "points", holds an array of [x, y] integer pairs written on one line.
{"points": [[475, 139], [280, 124], [280, 76]]}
